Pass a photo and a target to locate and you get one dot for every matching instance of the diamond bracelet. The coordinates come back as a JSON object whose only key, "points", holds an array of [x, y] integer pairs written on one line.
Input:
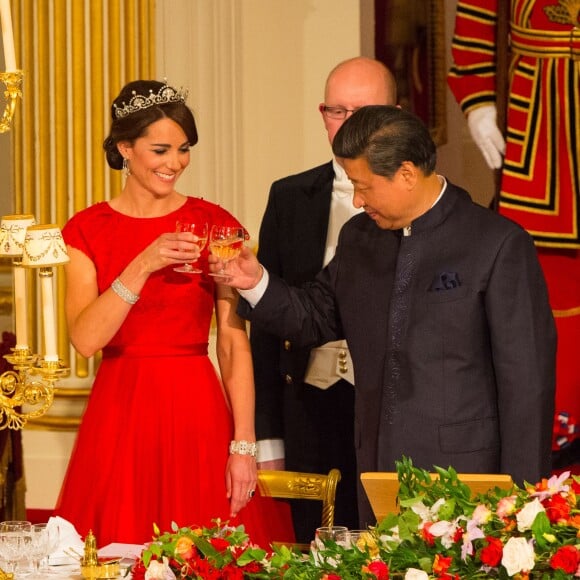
{"points": [[243, 448], [123, 292]]}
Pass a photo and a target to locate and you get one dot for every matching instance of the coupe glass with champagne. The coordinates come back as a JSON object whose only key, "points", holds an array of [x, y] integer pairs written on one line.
{"points": [[225, 242]]}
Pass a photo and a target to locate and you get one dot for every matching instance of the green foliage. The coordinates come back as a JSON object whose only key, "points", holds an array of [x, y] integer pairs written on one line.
{"points": [[441, 531]]}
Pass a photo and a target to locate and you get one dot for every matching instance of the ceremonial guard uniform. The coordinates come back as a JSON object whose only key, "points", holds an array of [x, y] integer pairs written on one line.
{"points": [[540, 181]]}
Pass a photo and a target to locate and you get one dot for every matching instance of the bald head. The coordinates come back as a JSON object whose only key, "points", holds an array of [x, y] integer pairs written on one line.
{"points": [[355, 83], [371, 77]]}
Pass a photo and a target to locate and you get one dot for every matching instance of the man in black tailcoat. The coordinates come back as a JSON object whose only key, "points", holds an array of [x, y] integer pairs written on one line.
{"points": [[304, 397]]}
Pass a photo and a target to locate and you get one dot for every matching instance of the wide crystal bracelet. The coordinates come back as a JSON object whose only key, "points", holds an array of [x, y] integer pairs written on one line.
{"points": [[123, 292], [243, 448]]}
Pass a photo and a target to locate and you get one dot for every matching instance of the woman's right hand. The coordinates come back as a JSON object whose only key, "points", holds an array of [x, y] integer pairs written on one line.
{"points": [[168, 250], [93, 318]]}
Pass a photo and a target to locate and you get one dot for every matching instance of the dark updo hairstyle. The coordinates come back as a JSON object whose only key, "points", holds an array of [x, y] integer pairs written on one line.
{"points": [[134, 125]]}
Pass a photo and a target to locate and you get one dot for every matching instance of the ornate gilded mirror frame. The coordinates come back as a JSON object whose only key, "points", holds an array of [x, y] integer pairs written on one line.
{"points": [[410, 40]]}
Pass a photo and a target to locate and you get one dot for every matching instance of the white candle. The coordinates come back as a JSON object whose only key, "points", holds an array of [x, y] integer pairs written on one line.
{"points": [[20, 307], [50, 353], [7, 36]]}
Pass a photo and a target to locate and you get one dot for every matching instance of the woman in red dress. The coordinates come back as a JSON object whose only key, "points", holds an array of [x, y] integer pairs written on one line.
{"points": [[163, 437]]}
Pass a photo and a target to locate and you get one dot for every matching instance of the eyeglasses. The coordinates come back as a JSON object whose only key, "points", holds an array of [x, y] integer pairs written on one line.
{"points": [[335, 112]]}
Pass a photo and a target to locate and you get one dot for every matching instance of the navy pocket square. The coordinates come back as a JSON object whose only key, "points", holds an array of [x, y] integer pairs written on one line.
{"points": [[445, 281]]}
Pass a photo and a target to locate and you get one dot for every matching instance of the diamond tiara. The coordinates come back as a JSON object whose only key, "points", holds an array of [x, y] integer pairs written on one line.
{"points": [[165, 95]]}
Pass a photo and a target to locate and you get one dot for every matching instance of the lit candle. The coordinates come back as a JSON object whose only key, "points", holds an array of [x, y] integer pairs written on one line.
{"points": [[20, 312], [7, 36], [50, 353]]}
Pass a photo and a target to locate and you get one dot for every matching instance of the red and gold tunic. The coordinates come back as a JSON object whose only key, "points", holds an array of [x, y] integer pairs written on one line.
{"points": [[541, 173], [540, 184]]}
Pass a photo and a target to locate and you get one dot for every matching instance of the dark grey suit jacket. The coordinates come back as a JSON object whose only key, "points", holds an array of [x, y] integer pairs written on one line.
{"points": [[451, 334]]}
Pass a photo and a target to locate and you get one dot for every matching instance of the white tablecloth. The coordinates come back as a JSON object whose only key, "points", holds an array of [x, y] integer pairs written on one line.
{"points": [[72, 572], [127, 553]]}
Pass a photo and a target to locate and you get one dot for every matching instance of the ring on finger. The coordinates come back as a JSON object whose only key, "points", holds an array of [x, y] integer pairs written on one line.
{"points": [[251, 493]]}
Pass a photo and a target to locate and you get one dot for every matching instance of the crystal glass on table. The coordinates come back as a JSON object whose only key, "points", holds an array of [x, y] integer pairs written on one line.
{"points": [[326, 534], [15, 537], [225, 242], [39, 548], [356, 539]]}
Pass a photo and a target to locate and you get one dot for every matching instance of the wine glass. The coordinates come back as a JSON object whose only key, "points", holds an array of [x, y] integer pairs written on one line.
{"points": [[225, 242], [359, 539], [328, 533], [53, 537], [40, 547], [198, 229], [14, 539]]}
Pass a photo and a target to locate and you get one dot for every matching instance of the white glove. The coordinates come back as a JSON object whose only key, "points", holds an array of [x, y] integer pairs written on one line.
{"points": [[486, 134]]}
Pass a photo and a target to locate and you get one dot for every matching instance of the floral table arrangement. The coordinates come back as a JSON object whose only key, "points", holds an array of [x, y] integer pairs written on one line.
{"points": [[440, 532]]}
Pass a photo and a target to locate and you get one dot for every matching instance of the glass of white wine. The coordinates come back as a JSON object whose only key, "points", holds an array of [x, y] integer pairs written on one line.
{"points": [[225, 242], [198, 229]]}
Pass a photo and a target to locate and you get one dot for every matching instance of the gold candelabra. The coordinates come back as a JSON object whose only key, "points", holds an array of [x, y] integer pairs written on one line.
{"points": [[27, 390], [13, 82]]}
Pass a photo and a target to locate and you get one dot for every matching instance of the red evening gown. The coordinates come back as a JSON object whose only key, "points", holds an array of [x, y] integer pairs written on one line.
{"points": [[153, 443]]}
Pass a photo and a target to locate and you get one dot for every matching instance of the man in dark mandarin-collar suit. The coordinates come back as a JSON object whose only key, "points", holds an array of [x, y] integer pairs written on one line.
{"points": [[304, 398], [443, 304]]}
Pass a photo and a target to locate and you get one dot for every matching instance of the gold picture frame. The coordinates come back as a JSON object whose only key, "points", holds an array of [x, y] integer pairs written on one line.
{"points": [[410, 40]]}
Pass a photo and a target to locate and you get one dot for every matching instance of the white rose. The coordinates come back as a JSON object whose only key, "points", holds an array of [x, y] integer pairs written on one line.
{"points": [[528, 513], [414, 574], [518, 556], [159, 571]]}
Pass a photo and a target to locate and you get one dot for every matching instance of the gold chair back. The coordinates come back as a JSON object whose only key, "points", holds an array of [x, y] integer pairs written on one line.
{"points": [[300, 485]]}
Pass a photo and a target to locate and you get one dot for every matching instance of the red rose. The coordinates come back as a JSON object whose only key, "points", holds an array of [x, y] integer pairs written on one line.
{"points": [[567, 559], [231, 572], [378, 569], [252, 567], [441, 564], [219, 544], [491, 554], [458, 534], [557, 508], [138, 571]]}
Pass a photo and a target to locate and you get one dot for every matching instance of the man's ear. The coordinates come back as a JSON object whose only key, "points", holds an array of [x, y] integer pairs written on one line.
{"points": [[409, 173]]}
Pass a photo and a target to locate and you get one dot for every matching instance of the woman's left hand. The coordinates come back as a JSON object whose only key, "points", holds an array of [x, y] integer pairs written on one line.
{"points": [[241, 480]]}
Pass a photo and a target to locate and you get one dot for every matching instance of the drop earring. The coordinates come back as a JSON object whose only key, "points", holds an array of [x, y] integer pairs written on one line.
{"points": [[126, 168]]}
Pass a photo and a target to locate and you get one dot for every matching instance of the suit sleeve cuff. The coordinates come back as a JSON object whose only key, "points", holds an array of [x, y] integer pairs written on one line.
{"points": [[270, 449], [254, 295]]}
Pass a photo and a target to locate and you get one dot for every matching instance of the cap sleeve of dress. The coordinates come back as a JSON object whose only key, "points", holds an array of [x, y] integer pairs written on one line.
{"points": [[79, 232]]}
